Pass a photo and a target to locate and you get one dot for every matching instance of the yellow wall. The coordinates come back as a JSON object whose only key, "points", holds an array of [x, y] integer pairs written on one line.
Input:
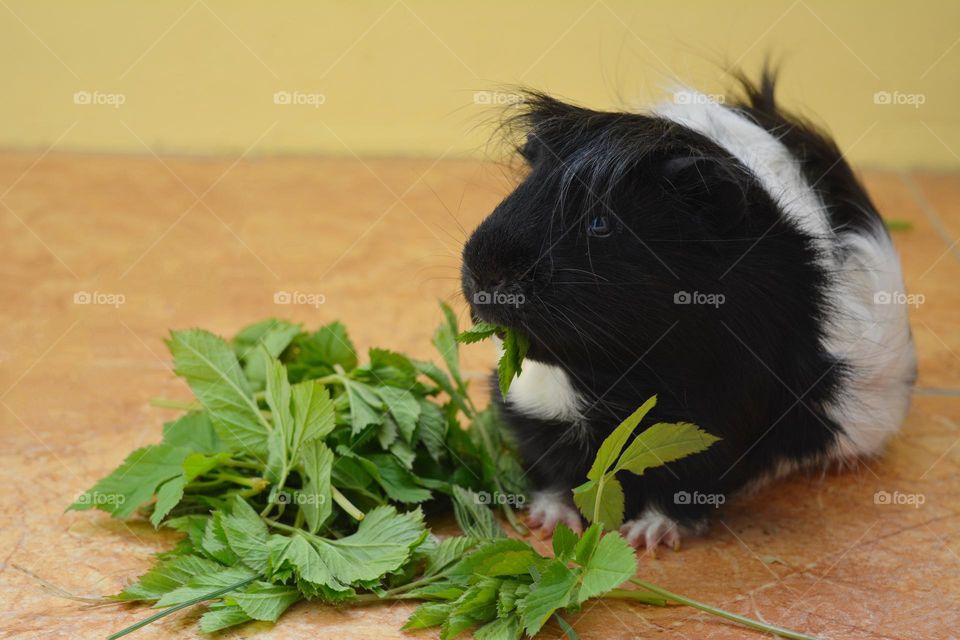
{"points": [[400, 78]]}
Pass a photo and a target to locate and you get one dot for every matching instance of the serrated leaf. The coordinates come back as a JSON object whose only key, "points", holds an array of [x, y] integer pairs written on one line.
{"points": [[432, 429], [398, 483], [168, 496], [317, 462], [551, 591], [264, 601], [611, 506], [221, 616], [661, 443], [197, 464], [564, 542], [507, 628], [214, 542], [246, 534], [313, 414], [445, 340], [254, 345], [366, 405], [446, 553], [295, 554], [211, 369], [192, 431], [521, 556], [476, 333], [404, 408], [202, 584], [168, 575], [611, 563], [430, 614], [134, 482], [613, 444], [473, 515], [515, 346]]}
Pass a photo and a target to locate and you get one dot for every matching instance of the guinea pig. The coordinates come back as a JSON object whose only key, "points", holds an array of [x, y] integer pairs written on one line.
{"points": [[720, 254]]}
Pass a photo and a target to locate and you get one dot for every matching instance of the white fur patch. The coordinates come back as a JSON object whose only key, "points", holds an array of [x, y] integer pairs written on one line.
{"points": [[873, 338], [544, 391]]}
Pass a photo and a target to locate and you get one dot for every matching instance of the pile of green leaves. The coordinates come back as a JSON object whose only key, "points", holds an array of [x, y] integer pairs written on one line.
{"points": [[300, 474]]}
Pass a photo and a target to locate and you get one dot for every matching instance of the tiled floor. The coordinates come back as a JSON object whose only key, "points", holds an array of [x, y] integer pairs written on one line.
{"points": [[208, 243]]}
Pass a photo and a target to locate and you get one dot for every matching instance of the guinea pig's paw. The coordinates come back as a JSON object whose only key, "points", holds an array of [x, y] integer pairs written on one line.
{"points": [[548, 509], [651, 529]]}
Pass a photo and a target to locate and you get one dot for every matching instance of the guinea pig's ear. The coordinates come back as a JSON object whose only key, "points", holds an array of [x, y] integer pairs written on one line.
{"points": [[712, 192]]}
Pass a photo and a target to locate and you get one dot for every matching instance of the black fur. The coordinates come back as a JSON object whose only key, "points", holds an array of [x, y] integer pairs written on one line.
{"points": [[686, 217]]}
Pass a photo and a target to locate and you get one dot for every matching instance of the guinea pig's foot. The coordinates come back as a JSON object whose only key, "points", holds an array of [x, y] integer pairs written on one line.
{"points": [[549, 509], [650, 530]]}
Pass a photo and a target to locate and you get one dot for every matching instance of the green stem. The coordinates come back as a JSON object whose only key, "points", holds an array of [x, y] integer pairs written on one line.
{"points": [[747, 622], [637, 596], [346, 505], [253, 483], [182, 605], [240, 464]]}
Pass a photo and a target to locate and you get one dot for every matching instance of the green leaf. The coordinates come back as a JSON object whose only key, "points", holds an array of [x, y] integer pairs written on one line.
{"points": [[611, 563], [496, 555], [381, 544], [134, 482], [662, 443], [476, 605], [430, 614], [246, 534], [442, 380], [197, 464], [473, 515], [313, 414], [564, 542], [220, 616], [168, 575], [432, 429], [396, 481], [404, 408], [587, 544], [515, 346], [214, 542], [389, 368], [255, 344], [613, 444], [610, 513], [278, 442], [317, 462], [192, 431], [366, 406], [476, 333], [447, 552], [445, 340], [552, 591], [328, 347], [296, 555], [168, 496], [264, 601], [507, 628], [202, 584], [213, 373]]}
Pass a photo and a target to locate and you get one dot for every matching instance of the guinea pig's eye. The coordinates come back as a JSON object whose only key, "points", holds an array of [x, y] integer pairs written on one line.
{"points": [[600, 227]]}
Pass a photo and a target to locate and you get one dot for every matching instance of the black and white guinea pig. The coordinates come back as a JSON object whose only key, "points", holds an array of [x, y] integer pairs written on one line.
{"points": [[722, 256]]}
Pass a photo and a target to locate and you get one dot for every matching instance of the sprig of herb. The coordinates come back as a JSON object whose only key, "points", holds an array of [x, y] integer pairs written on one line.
{"points": [[515, 346]]}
